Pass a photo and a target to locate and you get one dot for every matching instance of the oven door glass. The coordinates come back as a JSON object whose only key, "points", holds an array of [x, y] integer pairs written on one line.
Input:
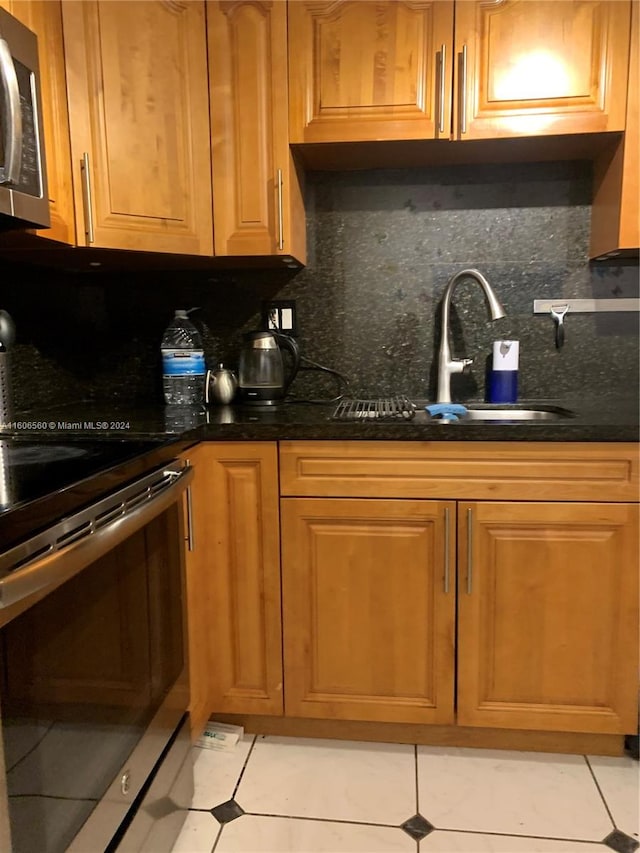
{"points": [[83, 673]]}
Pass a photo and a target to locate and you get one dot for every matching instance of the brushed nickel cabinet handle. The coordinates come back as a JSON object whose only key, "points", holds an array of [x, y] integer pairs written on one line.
{"points": [[463, 92], [86, 193], [443, 67], [469, 551], [280, 213], [446, 551], [10, 172], [190, 537]]}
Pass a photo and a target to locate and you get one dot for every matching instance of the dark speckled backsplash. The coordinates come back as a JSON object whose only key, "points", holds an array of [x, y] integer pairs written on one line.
{"points": [[382, 246]]}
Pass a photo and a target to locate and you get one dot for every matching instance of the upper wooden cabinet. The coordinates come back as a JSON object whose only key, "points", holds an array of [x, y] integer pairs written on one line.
{"points": [[615, 214], [257, 201], [139, 117], [373, 70], [44, 18], [363, 70], [527, 68]]}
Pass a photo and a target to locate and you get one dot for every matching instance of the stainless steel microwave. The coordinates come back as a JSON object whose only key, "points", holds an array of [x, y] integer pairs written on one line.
{"points": [[24, 199]]}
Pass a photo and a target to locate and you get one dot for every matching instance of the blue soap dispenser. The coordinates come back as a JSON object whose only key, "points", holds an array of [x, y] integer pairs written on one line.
{"points": [[503, 377]]}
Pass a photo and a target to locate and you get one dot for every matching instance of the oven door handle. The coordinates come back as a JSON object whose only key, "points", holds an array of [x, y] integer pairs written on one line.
{"points": [[84, 537]]}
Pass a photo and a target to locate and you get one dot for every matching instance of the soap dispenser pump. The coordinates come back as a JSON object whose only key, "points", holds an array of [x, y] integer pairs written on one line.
{"points": [[503, 377]]}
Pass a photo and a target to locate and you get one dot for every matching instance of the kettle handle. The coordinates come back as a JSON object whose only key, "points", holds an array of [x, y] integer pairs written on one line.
{"points": [[291, 345]]}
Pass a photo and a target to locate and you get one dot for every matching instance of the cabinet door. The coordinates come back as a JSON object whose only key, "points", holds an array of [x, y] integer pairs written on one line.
{"points": [[44, 18], [615, 212], [257, 200], [368, 609], [362, 70], [548, 616], [530, 67], [241, 534], [139, 111], [198, 501]]}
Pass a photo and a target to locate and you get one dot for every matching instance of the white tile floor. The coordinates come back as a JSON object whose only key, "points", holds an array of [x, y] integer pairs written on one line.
{"points": [[328, 796]]}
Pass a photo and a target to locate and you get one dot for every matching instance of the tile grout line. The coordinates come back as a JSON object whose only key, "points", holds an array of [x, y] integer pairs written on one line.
{"points": [[415, 758], [606, 805], [244, 767], [517, 835], [215, 843], [324, 819], [415, 755]]}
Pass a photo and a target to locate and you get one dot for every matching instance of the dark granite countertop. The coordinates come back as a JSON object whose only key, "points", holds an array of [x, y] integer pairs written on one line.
{"points": [[613, 420], [113, 433]]}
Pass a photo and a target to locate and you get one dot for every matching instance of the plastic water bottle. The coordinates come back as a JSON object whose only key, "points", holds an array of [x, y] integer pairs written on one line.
{"points": [[183, 368]]}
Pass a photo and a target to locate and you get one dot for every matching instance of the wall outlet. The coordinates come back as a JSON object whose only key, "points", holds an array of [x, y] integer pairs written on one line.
{"points": [[279, 315]]}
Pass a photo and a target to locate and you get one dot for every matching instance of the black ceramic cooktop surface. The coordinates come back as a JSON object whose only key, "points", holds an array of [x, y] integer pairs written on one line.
{"points": [[41, 481]]}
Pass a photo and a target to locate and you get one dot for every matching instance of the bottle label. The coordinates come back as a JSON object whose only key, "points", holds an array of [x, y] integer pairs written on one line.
{"points": [[181, 363]]}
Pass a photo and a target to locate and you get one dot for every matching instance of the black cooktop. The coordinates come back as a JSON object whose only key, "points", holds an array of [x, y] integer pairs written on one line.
{"points": [[41, 481]]}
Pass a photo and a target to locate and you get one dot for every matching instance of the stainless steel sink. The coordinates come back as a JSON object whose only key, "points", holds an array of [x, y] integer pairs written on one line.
{"points": [[401, 409], [497, 414], [516, 413]]}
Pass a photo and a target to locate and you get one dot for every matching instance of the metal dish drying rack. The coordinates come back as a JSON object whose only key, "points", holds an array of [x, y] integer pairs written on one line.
{"points": [[383, 408]]}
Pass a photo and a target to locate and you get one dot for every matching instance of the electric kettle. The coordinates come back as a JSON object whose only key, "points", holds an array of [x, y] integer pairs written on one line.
{"points": [[261, 371]]}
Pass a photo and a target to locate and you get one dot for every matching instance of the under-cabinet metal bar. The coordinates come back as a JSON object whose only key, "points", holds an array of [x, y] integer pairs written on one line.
{"points": [[585, 306], [446, 551], [469, 551]]}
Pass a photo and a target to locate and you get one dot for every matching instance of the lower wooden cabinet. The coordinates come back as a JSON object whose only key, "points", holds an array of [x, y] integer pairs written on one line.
{"points": [[237, 622], [547, 602], [199, 587], [475, 610], [546, 591], [547, 616], [368, 609]]}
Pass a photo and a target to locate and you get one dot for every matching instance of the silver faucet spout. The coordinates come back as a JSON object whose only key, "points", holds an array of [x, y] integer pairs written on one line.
{"points": [[447, 365]]}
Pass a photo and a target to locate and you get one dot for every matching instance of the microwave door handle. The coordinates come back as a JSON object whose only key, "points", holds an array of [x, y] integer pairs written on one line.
{"points": [[10, 172]]}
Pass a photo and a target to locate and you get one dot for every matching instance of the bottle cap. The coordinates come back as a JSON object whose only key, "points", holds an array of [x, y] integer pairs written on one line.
{"points": [[182, 314]]}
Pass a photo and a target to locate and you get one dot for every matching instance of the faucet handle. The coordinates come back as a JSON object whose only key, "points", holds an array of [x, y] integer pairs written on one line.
{"points": [[459, 365]]}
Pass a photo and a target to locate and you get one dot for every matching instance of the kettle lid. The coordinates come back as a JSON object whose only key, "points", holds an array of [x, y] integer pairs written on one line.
{"points": [[257, 334], [261, 340]]}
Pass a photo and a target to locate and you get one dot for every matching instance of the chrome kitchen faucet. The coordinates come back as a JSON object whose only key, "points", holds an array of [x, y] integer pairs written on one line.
{"points": [[446, 364]]}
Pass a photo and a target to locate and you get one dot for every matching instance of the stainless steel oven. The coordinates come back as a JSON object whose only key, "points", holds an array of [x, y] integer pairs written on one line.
{"points": [[93, 685]]}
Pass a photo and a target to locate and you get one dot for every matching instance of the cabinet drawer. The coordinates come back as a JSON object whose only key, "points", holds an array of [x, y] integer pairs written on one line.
{"points": [[459, 470]]}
